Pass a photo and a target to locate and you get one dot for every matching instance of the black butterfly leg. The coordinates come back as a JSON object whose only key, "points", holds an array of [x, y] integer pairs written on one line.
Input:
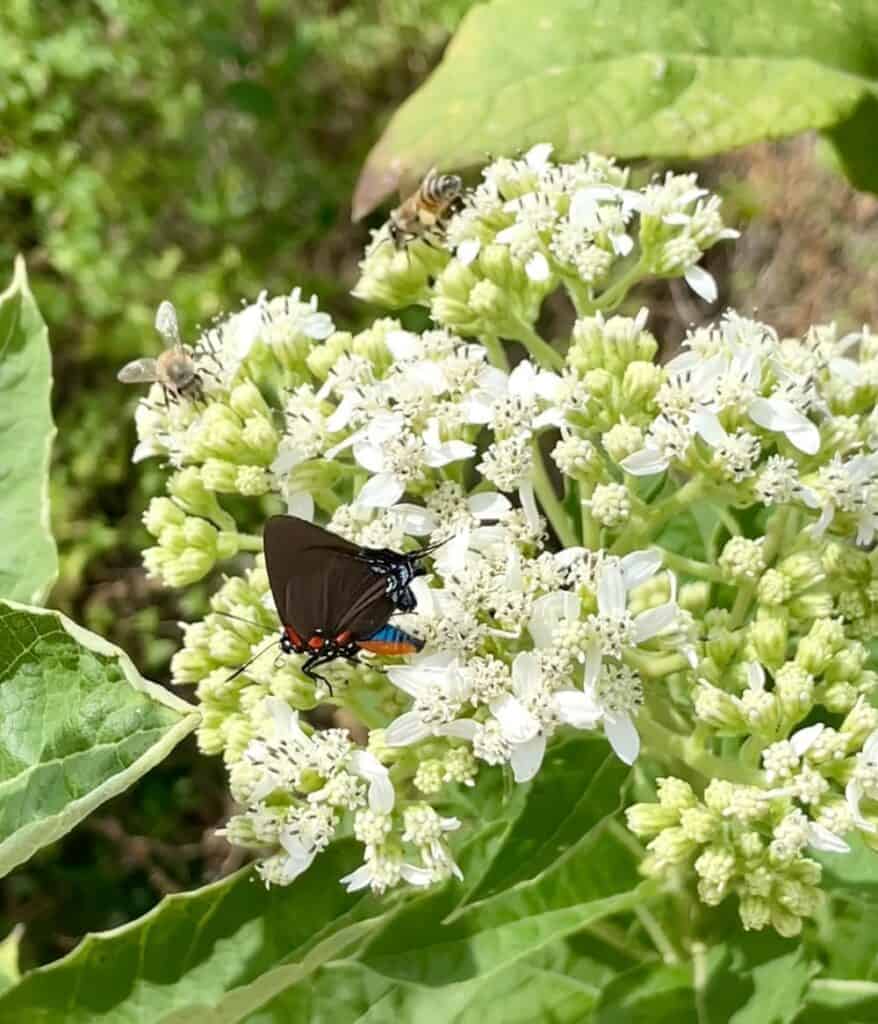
{"points": [[312, 662]]}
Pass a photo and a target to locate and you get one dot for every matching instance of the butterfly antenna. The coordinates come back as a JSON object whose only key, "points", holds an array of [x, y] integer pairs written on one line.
{"points": [[247, 664], [428, 549], [238, 618]]}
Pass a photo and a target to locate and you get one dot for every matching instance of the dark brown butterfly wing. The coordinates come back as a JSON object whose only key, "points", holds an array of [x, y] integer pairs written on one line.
{"points": [[319, 581]]}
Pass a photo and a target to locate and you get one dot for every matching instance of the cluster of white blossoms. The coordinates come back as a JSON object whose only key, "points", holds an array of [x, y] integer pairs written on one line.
{"points": [[673, 556]]}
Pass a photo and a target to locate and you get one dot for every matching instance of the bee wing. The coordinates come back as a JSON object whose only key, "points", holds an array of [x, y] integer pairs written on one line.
{"points": [[140, 371], [168, 326]]}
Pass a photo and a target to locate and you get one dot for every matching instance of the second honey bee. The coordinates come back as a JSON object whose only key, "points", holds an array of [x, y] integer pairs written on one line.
{"points": [[422, 213], [174, 368]]}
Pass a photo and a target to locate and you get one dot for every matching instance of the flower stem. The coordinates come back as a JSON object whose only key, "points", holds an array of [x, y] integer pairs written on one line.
{"points": [[550, 502], [538, 347], [617, 291], [247, 542], [692, 567], [496, 352], [665, 744]]}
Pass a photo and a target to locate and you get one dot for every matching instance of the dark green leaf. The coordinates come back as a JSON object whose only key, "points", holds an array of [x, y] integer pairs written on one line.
{"points": [[854, 142]]}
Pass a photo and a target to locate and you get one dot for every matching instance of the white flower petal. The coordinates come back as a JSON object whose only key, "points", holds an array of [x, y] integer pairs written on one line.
{"points": [[577, 709], [537, 267], [593, 660], [460, 728], [611, 590], [622, 734], [381, 792], [468, 250], [802, 740], [489, 505], [357, 880], [299, 856], [547, 612], [449, 451], [340, 418], [529, 505], [416, 520], [778, 414], [821, 838], [709, 428], [301, 504], [403, 345], [369, 456], [702, 283], [653, 621], [414, 875], [853, 795], [381, 491], [517, 724], [527, 757], [405, 730], [538, 156], [646, 462], [622, 243], [640, 566], [526, 674], [755, 676]]}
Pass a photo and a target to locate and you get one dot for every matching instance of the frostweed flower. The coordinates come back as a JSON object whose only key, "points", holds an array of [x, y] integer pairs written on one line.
{"points": [[673, 558]]}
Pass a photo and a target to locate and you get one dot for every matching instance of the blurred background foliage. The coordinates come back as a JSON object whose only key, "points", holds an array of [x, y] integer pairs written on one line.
{"points": [[203, 152]]}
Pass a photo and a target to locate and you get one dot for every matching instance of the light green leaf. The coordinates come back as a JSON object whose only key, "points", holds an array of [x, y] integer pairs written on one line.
{"points": [[671, 78], [78, 726], [28, 557], [9, 972]]}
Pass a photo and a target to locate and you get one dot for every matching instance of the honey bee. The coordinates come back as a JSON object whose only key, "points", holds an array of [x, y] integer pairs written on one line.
{"points": [[424, 210], [174, 368]]}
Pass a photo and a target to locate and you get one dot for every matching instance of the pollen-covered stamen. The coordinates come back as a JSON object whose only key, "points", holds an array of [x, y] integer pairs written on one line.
{"points": [[612, 632], [619, 688]]}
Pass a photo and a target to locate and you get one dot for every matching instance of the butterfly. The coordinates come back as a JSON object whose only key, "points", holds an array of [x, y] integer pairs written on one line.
{"points": [[334, 598]]}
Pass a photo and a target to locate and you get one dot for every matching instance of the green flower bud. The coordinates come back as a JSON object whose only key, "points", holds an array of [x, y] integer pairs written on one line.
{"points": [[699, 824], [488, 300], [640, 384], [774, 588], [719, 709], [602, 385], [794, 689], [719, 795], [611, 344], [715, 868], [647, 820], [209, 734], [239, 832], [576, 457], [227, 545], [218, 475], [816, 605], [218, 434], [768, 635], [742, 559], [723, 644], [261, 438], [611, 505], [189, 665], [694, 596], [755, 913], [674, 794], [623, 440], [371, 344], [815, 650], [859, 723], [246, 400], [672, 847], [398, 278], [238, 732], [459, 766], [321, 359], [837, 697], [162, 513], [749, 845], [188, 487], [784, 923], [428, 777], [252, 481], [802, 570]]}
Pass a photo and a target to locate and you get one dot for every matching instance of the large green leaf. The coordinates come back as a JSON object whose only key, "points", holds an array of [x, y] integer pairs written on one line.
{"points": [[577, 788], [234, 952], [669, 78], [78, 725], [28, 557]]}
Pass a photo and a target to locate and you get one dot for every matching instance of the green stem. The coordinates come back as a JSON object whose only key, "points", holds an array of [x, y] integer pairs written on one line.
{"points": [[496, 352], [617, 291], [649, 523], [741, 607], [550, 502], [581, 295], [692, 567], [591, 531], [654, 666], [247, 542], [538, 347], [665, 744]]}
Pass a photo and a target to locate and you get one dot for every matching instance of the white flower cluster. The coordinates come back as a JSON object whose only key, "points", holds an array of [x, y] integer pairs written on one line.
{"points": [[672, 556]]}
